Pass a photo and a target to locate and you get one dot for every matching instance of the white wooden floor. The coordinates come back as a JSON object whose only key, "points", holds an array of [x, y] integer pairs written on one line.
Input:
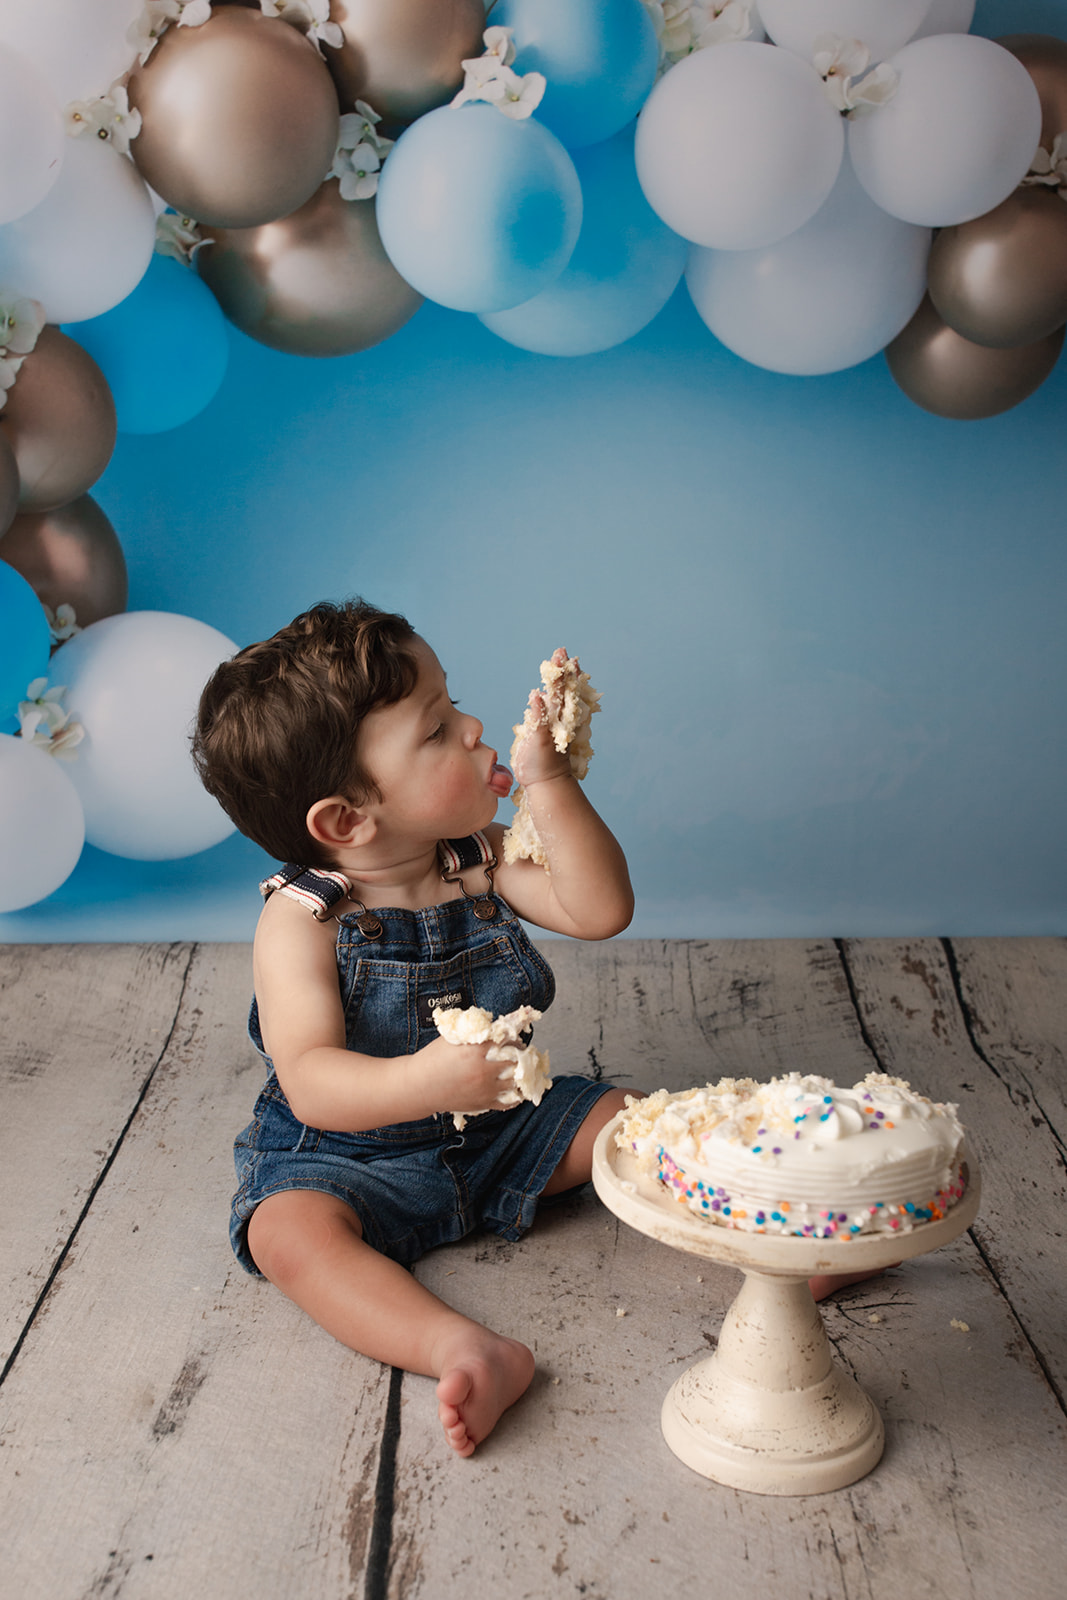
{"points": [[170, 1428]]}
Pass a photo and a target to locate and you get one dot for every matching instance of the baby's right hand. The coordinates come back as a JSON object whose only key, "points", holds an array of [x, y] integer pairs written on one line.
{"points": [[460, 1077]]}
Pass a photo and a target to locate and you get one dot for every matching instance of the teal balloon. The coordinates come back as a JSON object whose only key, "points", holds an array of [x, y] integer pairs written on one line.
{"points": [[163, 350], [625, 267], [25, 641], [476, 210], [599, 58]]}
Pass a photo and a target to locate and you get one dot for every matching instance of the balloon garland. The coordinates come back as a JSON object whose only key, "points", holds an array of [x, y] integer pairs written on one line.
{"points": [[832, 179]]}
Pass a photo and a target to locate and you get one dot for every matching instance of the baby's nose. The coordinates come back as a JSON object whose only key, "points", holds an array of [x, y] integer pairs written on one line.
{"points": [[473, 732]]}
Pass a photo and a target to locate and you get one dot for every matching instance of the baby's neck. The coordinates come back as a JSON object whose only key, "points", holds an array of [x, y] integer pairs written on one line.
{"points": [[406, 881]]}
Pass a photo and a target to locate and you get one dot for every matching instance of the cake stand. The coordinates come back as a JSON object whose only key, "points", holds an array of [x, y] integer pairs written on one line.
{"points": [[770, 1411]]}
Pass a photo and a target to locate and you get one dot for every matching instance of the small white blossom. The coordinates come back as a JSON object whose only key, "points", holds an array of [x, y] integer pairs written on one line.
{"points": [[146, 31], [489, 77], [840, 62], [194, 12], [62, 623], [43, 721], [1049, 168], [21, 321], [312, 17], [177, 236], [108, 117], [360, 152], [685, 26]]}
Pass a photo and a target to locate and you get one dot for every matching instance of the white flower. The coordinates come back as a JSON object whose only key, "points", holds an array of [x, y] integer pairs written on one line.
{"points": [[359, 174], [312, 17], [839, 61], [177, 236], [194, 12], [108, 117], [43, 721], [723, 21], [489, 77], [1049, 168], [145, 33], [21, 321], [520, 96], [62, 623]]}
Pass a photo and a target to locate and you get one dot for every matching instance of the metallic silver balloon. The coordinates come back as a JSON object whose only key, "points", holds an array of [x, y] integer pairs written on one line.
{"points": [[60, 422], [953, 377], [240, 119], [403, 56], [70, 556], [1001, 280], [1045, 59], [317, 283], [9, 485]]}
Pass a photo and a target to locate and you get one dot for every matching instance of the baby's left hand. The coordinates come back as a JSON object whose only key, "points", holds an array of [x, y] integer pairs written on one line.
{"points": [[536, 757]]}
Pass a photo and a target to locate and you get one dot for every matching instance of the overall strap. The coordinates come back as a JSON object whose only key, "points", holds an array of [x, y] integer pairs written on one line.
{"points": [[322, 892], [474, 851]]}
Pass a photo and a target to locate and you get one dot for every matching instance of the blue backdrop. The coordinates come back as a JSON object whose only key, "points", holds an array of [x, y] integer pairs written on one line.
{"points": [[828, 627]]}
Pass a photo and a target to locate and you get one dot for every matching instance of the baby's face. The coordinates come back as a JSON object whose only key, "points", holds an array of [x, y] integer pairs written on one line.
{"points": [[437, 779]]}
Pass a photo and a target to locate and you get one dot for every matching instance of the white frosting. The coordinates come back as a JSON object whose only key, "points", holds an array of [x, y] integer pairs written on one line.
{"points": [[801, 1155], [570, 701], [526, 1069]]}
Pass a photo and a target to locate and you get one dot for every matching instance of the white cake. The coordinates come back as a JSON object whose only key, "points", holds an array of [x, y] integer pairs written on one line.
{"points": [[525, 1069], [565, 704], [799, 1155]]}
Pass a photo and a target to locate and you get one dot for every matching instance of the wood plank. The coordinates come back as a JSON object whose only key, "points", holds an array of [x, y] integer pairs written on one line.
{"points": [[912, 1014], [172, 1427], [576, 1491], [81, 1028], [1015, 995]]}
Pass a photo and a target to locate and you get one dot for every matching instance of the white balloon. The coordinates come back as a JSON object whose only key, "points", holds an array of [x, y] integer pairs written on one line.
{"points": [[737, 146], [882, 25], [831, 295], [79, 46], [42, 829], [31, 136], [88, 244], [134, 682], [957, 136], [947, 16]]}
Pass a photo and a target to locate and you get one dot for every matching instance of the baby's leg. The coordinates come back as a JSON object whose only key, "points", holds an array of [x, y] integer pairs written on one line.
{"points": [[311, 1246], [576, 1167]]}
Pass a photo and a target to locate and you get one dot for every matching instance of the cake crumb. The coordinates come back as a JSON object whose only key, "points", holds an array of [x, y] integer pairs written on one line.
{"points": [[620, 1311], [960, 1327], [872, 1317]]}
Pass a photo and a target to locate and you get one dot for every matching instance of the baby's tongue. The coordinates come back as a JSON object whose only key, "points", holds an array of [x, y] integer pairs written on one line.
{"points": [[500, 781]]}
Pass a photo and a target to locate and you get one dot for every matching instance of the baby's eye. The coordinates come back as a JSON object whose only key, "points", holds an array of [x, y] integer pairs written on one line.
{"points": [[437, 732]]}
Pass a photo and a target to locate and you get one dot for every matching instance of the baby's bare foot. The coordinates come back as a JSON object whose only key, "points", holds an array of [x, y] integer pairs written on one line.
{"points": [[829, 1283], [481, 1378]]}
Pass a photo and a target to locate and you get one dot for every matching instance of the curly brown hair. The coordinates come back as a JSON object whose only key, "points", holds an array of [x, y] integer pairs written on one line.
{"points": [[278, 723]]}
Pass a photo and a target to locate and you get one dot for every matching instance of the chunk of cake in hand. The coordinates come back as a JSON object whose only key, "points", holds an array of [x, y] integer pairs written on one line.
{"points": [[525, 1070], [564, 704]]}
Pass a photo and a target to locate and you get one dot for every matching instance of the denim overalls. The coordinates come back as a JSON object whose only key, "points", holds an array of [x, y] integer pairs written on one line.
{"points": [[415, 1185]]}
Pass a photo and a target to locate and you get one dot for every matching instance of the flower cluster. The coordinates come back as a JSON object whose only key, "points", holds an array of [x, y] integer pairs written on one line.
{"points": [[43, 721], [840, 62], [490, 77], [312, 17], [147, 30], [1048, 170], [177, 236], [108, 117], [21, 320], [360, 152], [684, 26]]}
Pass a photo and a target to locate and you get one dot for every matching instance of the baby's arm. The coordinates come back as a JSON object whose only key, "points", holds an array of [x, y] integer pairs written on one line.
{"points": [[302, 1020], [585, 891]]}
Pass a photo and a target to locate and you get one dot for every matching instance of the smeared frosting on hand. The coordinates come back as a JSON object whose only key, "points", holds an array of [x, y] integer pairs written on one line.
{"points": [[564, 704], [525, 1070]]}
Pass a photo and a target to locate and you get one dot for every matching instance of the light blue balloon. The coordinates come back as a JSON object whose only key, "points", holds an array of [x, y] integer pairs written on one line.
{"points": [[476, 210], [625, 267], [599, 58], [163, 350], [25, 641]]}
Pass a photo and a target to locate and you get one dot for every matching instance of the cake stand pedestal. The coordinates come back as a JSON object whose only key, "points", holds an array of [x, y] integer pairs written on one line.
{"points": [[770, 1411]]}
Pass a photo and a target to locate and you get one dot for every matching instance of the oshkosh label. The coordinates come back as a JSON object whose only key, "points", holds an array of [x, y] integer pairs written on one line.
{"points": [[450, 999]]}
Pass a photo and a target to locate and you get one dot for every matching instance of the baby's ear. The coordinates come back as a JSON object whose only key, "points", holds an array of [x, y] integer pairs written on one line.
{"points": [[337, 823]]}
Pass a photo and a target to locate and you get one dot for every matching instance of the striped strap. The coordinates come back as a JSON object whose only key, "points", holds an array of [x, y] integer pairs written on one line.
{"points": [[317, 889], [456, 854]]}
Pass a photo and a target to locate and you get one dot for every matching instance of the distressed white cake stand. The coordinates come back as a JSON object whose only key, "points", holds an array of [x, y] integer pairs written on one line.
{"points": [[770, 1411]]}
